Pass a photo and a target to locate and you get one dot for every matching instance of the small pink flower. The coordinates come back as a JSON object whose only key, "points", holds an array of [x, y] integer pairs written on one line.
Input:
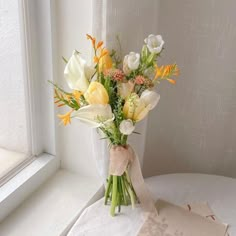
{"points": [[139, 79], [115, 74]]}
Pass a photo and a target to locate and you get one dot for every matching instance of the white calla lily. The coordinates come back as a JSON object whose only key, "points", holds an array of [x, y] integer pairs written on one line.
{"points": [[77, 72], [150, 98], [95, 115]]}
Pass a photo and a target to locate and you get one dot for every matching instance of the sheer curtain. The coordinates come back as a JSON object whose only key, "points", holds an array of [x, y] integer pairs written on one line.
{"points": [[131, 21]]}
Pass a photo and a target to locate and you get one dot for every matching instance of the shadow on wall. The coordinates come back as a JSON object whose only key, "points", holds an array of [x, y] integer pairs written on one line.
{"points": [[194, 127]]}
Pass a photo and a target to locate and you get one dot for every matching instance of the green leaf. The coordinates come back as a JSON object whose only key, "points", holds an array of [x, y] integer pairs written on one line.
{"points": [[144, 53], [64, 59], [136, 132], [151, 58]]}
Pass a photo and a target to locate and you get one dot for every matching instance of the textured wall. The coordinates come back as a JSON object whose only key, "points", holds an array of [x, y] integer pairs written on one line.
{"points": [[194, 127], [12, 104]]}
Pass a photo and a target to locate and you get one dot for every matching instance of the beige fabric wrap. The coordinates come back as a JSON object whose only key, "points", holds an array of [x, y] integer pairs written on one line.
{"points": [[123, 157]]}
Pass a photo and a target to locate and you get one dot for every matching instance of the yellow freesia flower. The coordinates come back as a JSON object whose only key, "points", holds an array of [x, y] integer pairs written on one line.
{"points": [[96, 94], [66, 118]]}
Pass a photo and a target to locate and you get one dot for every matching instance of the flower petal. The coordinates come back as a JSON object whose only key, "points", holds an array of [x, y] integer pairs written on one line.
{"points": [[75, 73], [95, 115], [150, 98], [96, 94], [126, 127]]}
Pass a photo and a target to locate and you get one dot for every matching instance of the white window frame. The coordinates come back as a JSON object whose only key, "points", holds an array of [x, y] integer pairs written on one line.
{"points": [[36, 19]]}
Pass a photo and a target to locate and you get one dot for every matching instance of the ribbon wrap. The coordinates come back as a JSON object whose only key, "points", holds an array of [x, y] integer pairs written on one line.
{"points": [[123, 158]]}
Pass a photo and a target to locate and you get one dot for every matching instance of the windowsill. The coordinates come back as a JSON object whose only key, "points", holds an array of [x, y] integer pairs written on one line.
{"points": [[18, 188], [54, 207]]}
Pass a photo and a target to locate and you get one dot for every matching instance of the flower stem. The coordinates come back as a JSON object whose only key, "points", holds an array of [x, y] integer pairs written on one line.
{"points": [[123, 191], [108, 189], [114, 195]]}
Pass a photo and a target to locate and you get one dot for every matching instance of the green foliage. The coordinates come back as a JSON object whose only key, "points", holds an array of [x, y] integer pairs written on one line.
{"points": [[64, 98], [118, 111]]}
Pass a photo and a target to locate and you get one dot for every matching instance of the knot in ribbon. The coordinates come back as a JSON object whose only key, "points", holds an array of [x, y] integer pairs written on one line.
{"points": [[122, 157]]}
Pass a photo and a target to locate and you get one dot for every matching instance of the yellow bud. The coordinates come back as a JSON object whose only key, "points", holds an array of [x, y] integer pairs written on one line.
{"points": [[96, 94]]}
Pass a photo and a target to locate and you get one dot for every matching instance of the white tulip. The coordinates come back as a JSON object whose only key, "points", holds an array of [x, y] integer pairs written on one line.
{"points": [[95, 115], [78, 73], [150, 98], [126, 69], [125, 89], [127, 127], [132, 60], [154, 43]]}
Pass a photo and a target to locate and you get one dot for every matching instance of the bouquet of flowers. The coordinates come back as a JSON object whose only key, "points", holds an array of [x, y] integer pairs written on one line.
{"points": [[113, 97]]}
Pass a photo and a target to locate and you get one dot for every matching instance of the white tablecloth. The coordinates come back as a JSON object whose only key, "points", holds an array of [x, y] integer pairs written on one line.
{"points": [[219, 192]]}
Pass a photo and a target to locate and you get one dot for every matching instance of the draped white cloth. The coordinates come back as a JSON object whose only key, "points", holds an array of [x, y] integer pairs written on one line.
{"points": [[101, 154], [180, 189], [106, 27]]}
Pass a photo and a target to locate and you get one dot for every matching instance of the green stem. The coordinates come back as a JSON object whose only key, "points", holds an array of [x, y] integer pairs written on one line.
{"points": [[108, 189], [119, 197], [131, 193], [123, 191], [114, 196]]}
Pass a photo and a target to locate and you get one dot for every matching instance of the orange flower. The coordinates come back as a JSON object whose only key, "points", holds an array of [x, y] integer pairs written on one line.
{"points": [[77, 95], [171, 81], [104, 52], [99, 44], [158, 71], [105, 61], [96, 59], [92, 39], [165, 72], [66, 118]]}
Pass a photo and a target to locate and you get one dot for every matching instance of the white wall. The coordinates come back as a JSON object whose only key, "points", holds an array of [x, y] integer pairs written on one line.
{"points": [[194, 127], [73, 20]]}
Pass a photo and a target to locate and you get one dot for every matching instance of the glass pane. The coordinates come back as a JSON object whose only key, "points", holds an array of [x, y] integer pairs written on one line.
{"points": [[13, 127]]}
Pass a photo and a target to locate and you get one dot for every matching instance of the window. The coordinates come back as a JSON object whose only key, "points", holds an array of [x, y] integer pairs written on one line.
{"points": [[27, 137], [26, 99], [14, 143]]}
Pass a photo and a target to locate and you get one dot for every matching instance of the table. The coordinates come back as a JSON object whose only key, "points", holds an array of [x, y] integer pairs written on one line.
{"points": [[218, 191]]}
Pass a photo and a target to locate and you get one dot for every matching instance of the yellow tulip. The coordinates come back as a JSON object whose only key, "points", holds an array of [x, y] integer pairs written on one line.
{"points": [[105, 61], [135, 108], [96, 94]]}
